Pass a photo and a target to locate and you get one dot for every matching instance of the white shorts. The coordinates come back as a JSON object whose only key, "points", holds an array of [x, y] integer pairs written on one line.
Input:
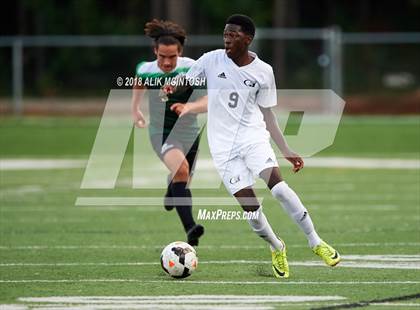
{"points": [[239, 169]]}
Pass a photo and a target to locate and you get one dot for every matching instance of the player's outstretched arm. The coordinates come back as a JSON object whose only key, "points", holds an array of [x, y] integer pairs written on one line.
{"points": [[138, 117], [177, 85], [195, 107], [277, 136]]}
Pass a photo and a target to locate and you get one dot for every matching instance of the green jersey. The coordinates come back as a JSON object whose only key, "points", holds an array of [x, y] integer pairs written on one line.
{"points": [[162, 119]]}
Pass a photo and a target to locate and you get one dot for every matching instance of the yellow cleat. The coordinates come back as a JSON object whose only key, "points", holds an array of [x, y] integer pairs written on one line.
{"points": [[280, 265], [327, 253]]}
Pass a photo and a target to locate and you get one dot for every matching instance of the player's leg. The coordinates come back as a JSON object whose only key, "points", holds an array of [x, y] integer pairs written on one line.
{"points": [[167, 201], [156, 141], [191, 159], [192, 155], [238, 180], [260, 225], [197, 230], [260, 159], [177, 164], [291, 203], [297, 211]]}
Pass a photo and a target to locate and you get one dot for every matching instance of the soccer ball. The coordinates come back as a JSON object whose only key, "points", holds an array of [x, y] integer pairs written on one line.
{"points": [[179, 259]]}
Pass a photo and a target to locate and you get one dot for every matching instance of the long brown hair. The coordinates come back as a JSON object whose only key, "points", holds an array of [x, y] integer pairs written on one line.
{"points": [[165, 32]]}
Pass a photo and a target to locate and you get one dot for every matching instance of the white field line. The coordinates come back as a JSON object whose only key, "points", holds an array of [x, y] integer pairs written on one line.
{"points": [[361, 163], [46, 220], [25, 189], [209, 282], [411, 262], [204, 180], [148, 201], [207, 164], [357, 207], [390, 304], [227, 201], [213, 182], [153, 306], [414, 196], [345, 208], [13, 307], [134, 306], [41, 164], [365, 265], [180, 299], [80, 264], [396, 257], [169, 302], [207, 247], [91, 208]]}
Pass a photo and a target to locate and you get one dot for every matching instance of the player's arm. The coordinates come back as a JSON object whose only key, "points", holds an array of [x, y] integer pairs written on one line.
{"points": [[136, 99], [195, 107], [184, 82], [278, 137], [178, 84]]}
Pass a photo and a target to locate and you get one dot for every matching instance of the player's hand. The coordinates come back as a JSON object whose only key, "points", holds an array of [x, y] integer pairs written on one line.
{"points": [[181, 108], [295, 159], [139, 120], [165, 91], [168, 89]]}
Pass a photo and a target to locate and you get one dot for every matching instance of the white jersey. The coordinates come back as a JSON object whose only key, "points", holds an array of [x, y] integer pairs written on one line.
{"points": [[235, 94]]}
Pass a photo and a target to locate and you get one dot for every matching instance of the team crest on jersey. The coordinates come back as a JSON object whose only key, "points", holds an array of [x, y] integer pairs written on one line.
{"points": [[250, 83]]}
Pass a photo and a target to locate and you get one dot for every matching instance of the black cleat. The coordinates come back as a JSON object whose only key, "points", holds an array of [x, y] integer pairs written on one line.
{"points": [[167, 202], [194, 234]]}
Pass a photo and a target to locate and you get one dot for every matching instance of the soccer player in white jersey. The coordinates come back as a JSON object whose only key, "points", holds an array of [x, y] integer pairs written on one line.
{"points": [[241, 91]]}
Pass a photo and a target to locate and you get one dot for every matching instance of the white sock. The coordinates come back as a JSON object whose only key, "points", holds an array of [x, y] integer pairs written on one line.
{"points": [[294, 207], [262, 228]]}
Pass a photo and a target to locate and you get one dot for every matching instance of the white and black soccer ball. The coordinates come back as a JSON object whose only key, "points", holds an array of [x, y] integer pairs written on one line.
{"points": [[179, 259]]}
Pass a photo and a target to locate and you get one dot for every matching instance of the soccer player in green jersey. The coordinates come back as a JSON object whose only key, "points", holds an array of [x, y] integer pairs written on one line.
{"points": [[175, 140]]}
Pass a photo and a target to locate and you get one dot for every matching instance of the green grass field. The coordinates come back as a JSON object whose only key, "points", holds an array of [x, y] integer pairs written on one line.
{"points": [[50, 247]]}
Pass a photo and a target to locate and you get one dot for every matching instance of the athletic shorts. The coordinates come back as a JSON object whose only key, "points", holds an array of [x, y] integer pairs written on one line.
{"points": [[162, 144], [239, 169]]}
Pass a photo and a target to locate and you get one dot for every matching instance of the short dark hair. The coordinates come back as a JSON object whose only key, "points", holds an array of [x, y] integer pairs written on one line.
{"points": [[246, 23]]}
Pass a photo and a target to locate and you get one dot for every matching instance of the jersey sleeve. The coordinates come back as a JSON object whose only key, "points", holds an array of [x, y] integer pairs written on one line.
{"points": [[140, 68], [267, 94], [198, 69], [188, 62]]}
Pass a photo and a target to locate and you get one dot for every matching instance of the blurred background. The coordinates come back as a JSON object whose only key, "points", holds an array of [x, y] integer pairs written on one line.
{"points": [[59, 60], [63, 57]]}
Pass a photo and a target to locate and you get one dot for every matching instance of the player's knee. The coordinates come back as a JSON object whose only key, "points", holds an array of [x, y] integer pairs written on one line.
{"points": [[271, 177], [182, 173], [250, 208], [280, 190]]}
